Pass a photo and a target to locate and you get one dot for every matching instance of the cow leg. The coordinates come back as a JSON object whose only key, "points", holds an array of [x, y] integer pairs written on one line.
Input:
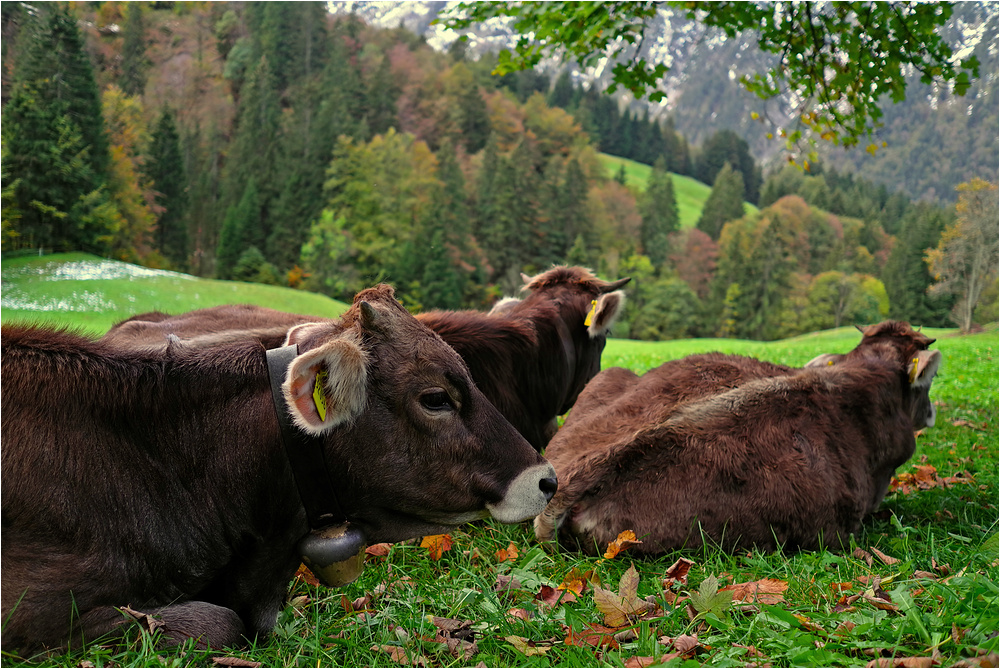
{"points": [[211, 626]]}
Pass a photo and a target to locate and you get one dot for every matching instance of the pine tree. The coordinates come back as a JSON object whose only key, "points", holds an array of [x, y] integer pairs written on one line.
{"points": [[724, 147], [134, 59], [660, 216], [57, 66], [166, 169], [724, 203], [906, 275], [381, 99], [562, 93], [240, 231]]}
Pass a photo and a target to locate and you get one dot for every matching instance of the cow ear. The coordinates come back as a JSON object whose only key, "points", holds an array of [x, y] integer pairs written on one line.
{"points": [[604, 312], [825, 360], [923, 367], [297, 334], [327, 386]]}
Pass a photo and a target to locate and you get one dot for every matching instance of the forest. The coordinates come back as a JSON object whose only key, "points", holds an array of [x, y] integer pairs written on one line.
{"points": [[278, 143]]}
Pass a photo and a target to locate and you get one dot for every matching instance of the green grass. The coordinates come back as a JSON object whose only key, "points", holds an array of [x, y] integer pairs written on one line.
{"points": [[92, 294], [690, 193], [949, 532]]}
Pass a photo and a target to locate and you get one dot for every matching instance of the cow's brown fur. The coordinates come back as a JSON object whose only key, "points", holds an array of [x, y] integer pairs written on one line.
{"points": [[739, 452], [157, 479], [531, 357]]}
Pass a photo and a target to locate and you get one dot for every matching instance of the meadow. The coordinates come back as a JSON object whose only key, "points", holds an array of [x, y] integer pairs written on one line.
{"points": [[918, 586]]}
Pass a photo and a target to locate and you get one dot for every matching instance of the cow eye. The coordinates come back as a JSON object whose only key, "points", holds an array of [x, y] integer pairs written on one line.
{"points": [[437, 400]]}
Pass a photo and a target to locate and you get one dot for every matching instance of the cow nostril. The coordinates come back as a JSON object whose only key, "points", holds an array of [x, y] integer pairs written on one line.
{"points": [[548, 487]]}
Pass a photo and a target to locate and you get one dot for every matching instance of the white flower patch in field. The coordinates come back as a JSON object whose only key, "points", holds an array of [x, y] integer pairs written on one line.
{"points": [[83, 301], [87, 270]]}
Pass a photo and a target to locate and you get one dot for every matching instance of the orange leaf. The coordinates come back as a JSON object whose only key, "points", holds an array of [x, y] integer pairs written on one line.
{"points": [[575, 581], [306, 576], [437, 544], [764, 591], [624, 541], [554, 597], [509, 553], [885, 558], [592, 635]]}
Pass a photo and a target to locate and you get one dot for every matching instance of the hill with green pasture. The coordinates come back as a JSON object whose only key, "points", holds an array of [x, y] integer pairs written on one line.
{"points": [[90, 293]]}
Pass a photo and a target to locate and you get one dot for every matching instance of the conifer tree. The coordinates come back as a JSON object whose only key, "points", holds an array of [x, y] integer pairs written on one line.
{"points": [[660, 216], [724, 203], [240, 231], [166, 169], [134, 59]]}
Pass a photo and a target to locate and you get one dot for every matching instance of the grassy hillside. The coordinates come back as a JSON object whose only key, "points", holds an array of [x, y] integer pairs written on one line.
{"points": [[690, 193], [91, 293]]}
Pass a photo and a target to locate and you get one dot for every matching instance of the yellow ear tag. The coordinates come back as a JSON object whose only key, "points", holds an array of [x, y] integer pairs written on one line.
{"points": [[319, 396], [590, 316], [829, 363], [913, 371]]}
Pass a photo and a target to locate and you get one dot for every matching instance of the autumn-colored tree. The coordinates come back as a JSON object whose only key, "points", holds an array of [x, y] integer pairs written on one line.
{"points": [[965, 259]]}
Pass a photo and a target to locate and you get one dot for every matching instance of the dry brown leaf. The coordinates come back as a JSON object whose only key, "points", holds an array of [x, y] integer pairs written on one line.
{"points": [[885, 558], [230, 661], [509, 553], [862, 554], [506, 583], [400, 656], [677, 573], [686, 643], [640, 662], [915, 662], [378, 550], [449, 624], [880, 600], [624, 541], [437, 545], [984, 659], [619, 608], [764, 591], [592, 635], [147, 621], [523, 614]]}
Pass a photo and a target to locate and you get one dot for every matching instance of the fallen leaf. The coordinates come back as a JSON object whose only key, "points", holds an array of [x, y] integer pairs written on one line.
{"points": [[400, 656], [146, 620], [764, 591], [885, 558], [306, 576], [527, 647], [437, 545], [686, 643], [506, 583], [553, 597], [751, 650], [677, 573], [808, 624], [522, 614], [709, 599], [915, 662], [984, 659], [575, 581], [230, 661], [592, 635], [624, 541], [880, 600], [509, 553], [378, 550], [924, 574], [619, 608], [449, 624], [862, 554], [640, 662]]}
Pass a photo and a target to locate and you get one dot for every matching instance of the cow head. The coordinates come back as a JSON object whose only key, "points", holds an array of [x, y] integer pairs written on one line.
{"points": [[587, 308], [896, 340], [415, 446]]}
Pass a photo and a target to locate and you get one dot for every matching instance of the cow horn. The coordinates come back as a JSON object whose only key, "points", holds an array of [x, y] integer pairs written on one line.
{"points": [[369, 315], [615, 285]]}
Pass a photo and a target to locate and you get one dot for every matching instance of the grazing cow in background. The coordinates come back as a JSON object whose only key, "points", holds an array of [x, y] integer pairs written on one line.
{"points": [[157, 478], [531, 357], [738, 452]]}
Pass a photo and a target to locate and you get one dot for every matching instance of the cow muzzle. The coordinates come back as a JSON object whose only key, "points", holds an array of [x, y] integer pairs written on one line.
{"points": [[527, 495]]}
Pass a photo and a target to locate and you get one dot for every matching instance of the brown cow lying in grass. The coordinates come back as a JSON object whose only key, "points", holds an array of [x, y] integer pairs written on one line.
{"points": [[737, 452], [530, 357], [157, 478]]}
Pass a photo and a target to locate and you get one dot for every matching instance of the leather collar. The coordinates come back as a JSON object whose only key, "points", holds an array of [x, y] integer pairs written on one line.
{"points": [[304, 452]]}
